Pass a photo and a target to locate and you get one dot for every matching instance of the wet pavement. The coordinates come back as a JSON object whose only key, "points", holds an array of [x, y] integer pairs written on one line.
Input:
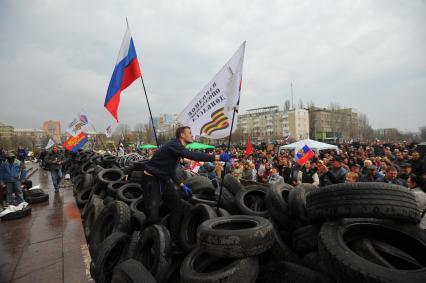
{"points": [[48, 246]]}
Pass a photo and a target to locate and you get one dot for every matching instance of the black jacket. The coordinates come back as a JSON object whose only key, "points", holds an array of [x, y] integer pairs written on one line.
{"points": [[166, 158]]}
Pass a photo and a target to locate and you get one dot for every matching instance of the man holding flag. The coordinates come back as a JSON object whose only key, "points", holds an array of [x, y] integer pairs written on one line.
{"points": [[160, 178]]}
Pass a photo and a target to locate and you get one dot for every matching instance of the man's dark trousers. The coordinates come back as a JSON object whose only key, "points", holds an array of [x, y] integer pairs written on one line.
{"points": [[155, 190]]}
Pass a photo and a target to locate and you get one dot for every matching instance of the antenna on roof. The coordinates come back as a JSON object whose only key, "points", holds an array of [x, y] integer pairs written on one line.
{"points": [[292, 100]]}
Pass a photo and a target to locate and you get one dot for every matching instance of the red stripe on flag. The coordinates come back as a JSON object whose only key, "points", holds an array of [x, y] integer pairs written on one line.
{"points": [[308, 155]]}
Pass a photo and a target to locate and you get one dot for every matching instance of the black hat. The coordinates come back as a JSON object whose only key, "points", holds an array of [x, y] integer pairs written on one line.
{"points": [[337, 158], [406, 165]]}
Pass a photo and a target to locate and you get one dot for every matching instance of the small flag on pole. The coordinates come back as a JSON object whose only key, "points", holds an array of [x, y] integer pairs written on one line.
{"points": [[126, 71], [249, 149], [303, 154], [75, 143], [50, 143], [108, 131]]}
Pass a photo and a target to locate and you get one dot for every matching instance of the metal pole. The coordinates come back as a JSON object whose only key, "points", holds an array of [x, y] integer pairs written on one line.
{"points": [[224, 167], [150, 113]]}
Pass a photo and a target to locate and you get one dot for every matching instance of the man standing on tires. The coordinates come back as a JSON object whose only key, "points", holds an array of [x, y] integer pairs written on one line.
{"points": [[160, 178], [54, 160], [11, 175]]}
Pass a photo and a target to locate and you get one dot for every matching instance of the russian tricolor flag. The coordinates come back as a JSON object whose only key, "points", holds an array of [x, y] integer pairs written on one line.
{"points": [[304, 155], [126, 71]]}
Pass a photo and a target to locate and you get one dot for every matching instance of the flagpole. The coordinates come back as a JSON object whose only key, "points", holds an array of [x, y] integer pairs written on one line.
{"points": [[224, 167], [96, 132], [147, 102], [150, 113]]}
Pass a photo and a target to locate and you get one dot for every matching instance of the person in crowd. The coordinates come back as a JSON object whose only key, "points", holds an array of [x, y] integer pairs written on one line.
{"points": [[218, 168], [399, 160], [308, 175], [254, 174], [266, 173], [337, 174], [367, 163], [12, 173], [415, 185], [322, 173], [247, 173], [405, 172], [54, 161], [285, 170], [160, 178], [391, 177], [352, 177], [416, 163], [373, 175], [275, 177], [237, 171], [22, 154], [262, 166]]}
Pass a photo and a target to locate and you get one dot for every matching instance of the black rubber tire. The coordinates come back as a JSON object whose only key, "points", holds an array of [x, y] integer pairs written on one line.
{"points": [[200, 267], [83, 196], [305, 239], [138, 221], [113, 187], [363, 200], [297, 203], [107, 176], [251, 201], [33, 193], [88, 181], [154, 251], [280, 251], [37, 199], [228, 202], [115, 217], [85, 210], [232, 184], [284, 271], [236, 236], [277, 204], [132, 271], [26, 211], [189, 226], [347, 266], [200, 185], [108, 255], [108, 199], [210, 200], [222, 212], [131, 247], [129, 192], [312, 261], [95, 209], [137, 206]]}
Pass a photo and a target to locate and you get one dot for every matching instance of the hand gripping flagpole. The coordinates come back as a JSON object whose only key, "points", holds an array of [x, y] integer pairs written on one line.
{"points": [[147, 102]]}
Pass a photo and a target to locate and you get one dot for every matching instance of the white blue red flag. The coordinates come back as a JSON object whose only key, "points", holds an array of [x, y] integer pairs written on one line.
{"points": [[79, 124], [126, 71], [303, 154]]}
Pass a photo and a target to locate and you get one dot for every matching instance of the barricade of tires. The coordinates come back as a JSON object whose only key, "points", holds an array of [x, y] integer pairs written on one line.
{"points": [[362, 232]]}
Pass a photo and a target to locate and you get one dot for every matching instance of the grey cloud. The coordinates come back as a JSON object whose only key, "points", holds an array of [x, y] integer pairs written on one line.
{"points": [[57, 56]]}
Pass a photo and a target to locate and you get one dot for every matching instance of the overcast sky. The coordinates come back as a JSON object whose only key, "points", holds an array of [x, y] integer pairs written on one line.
{"points": [[57, 56]]}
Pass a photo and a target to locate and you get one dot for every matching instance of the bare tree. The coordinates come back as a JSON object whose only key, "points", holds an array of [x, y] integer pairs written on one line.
{"points": [[287, 105], [365, 130]]}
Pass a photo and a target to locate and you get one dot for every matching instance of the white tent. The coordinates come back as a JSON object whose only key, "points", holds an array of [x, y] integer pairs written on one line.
{"points": [[314, 145]]}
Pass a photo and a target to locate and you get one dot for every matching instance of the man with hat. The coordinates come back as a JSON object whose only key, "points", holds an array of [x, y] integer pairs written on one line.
{"points": [[11, 175], [337, 174], [373, 175]]}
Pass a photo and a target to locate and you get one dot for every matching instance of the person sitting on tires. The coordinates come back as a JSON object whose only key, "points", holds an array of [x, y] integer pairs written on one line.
{"points": [[160, 177], [415, 185], [308, 175], [11, 175]]}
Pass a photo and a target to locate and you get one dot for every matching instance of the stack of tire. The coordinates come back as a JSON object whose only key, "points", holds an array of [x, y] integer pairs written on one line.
{"points": [[363, 232]]}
